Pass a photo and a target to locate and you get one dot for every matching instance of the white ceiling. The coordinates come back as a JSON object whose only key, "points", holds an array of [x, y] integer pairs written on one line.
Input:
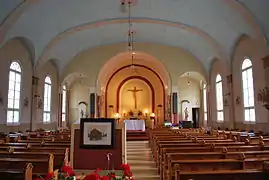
{"points": [[206, 28]]}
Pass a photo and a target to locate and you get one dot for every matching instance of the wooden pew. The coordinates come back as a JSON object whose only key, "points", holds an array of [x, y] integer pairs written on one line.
{"points": [[222, 175], [211, 159], [250, 155], [37, 144], [34, 149], [16, 168], [215, 165]]}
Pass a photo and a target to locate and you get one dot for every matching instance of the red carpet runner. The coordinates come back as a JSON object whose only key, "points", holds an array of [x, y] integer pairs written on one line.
{"points": [[137, 135]]}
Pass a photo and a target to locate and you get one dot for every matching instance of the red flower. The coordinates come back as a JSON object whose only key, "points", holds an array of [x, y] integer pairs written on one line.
{"points": [[93, 176], [98, 170], [105, 178], [128, 173], [49, 176], [112, 176], [68, 170], [125, 167]]}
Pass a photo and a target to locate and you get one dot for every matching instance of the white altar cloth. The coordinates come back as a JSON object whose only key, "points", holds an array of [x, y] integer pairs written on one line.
{"points": [[135, 125]]}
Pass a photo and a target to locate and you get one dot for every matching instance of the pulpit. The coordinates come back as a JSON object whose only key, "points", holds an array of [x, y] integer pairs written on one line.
{"points": [[90, 159]]}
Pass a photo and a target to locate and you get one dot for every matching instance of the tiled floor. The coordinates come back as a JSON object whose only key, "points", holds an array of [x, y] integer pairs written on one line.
{"points": [[139, 157]]}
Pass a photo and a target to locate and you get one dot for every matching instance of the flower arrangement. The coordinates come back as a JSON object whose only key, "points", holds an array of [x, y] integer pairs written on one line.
{"points": [[131, 113], [66, 173], [126, 175], [140, 113]]}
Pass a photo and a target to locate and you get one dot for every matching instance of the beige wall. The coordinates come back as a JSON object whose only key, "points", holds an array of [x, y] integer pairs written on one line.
{"points": [[234, 113], [252, 49], [128, 72], [219, 67], [189, 92], [48, 70], [16, 50], [176, 60], [79, 92], [144, 97]]}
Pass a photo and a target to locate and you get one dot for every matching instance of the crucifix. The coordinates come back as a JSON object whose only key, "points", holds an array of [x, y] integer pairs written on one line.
{"points": [[134, 91]]}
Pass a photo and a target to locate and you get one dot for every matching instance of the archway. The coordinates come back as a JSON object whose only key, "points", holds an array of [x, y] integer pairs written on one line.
{"points": [[150, 105], [191, 102]]}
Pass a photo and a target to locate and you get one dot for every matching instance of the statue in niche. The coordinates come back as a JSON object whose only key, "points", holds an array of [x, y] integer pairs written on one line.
{"points": [[81, 113], [186, 112], [82, 110]]}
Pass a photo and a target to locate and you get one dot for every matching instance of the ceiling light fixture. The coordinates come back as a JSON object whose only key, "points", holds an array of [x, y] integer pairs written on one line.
{"points": [[131, 33]]}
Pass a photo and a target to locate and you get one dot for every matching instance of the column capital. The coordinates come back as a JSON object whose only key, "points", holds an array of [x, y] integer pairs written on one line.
{"points": [[92, 89], [174, 89]]}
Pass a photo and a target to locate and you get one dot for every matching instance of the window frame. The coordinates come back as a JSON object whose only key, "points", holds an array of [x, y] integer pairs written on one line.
{"points": [[219, 82], [245, 107], [13, 109], [47, 112]]}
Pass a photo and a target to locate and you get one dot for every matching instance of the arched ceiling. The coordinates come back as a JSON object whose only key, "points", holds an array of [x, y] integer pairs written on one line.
{"points": [[60, 29]]}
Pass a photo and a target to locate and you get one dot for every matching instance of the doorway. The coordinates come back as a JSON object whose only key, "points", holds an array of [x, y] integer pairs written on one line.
{"points": [[195, 117]]}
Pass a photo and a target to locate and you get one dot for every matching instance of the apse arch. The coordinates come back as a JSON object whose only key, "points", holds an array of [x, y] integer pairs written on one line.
{"points": [[105, 89], [142, 79], [111, 67]]}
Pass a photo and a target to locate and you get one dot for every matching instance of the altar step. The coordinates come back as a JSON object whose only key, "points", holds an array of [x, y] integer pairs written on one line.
{"points": [[136, 135], [139, 157]]}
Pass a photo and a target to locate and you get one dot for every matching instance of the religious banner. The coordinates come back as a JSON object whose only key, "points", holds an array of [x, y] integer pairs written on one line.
{"points": [[174, 106], [98, 98], [92, 105], [169, 105]]}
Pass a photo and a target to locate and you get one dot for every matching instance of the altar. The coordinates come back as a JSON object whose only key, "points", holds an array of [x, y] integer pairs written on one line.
{"points": [[135, 125]]}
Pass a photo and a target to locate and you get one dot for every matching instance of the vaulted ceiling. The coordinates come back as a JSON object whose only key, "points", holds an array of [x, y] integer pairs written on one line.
{"points": [[60, 29]]}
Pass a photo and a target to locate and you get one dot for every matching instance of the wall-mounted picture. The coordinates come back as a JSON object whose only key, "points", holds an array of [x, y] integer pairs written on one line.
{"points": [[97, 133]]}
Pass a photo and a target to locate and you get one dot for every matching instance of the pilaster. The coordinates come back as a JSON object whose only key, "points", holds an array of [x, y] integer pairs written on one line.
{"points": [[93, 103], [36, 103], [175, 104]]}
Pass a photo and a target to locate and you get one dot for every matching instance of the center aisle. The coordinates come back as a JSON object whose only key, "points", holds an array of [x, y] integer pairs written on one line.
{"points": [[139, 157]]}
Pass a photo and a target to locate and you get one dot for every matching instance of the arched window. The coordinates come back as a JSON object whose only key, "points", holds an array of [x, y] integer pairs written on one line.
{"points": [[219, 98], [205, 102], [47, 100], [64, 104], [248, 91], [14, 92]]}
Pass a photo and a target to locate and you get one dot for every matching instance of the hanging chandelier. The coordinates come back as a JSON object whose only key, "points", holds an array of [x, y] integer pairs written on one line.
{"points": [[130, 33]]}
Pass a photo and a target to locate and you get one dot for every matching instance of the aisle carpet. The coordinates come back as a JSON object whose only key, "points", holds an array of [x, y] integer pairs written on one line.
{"points": [[137, 135]]}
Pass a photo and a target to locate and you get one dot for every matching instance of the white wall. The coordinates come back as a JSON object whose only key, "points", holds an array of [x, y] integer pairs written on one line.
{"points": [[189, 92], [16, 50], [79, 92]]}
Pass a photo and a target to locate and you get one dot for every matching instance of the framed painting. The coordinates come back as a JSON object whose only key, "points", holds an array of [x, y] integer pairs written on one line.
{"points": [[97, 133]]}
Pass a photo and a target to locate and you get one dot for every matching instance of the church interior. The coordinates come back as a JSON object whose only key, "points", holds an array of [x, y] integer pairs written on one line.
{"points": [[171, 90]]}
